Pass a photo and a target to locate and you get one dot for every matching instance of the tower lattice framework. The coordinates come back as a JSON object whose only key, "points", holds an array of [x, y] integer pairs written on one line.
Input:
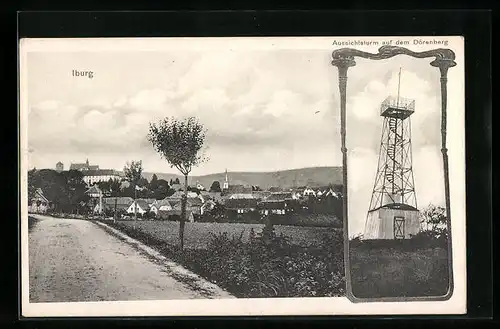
{"points": [[394, 182]]}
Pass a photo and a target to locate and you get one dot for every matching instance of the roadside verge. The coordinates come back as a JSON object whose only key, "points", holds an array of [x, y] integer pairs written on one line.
{"points": [[192, 280]]}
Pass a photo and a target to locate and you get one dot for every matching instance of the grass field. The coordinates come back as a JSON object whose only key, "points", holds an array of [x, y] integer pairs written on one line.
{"points": [[309, 263], [197, 235], [398, 272]]}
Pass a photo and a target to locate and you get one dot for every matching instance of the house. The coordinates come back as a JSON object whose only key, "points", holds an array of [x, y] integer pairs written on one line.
{"points": [[194, 195], [109, 204], [207, 206], [138, 206], [179, 194], [298, 192], [261, 194], [91, 177], [278, 203], [200, 187], [241, 206], [194, 205], [214, 196], [177, 197], [94, 192], [243, 196], [332, 193], [39, 204], [237, 189], [308, 192], [83, 166], [281, 196], [160, 205], [92, 174], [275, 189], [177, 187], [149, 201], [191, 209], [276, 207]]}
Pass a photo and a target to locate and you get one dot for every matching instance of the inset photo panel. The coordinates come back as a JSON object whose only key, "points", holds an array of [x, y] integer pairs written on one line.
{"points": [[402, 103]]}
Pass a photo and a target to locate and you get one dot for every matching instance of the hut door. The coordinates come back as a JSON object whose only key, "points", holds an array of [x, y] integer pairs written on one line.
{"points": [[399, 228]]}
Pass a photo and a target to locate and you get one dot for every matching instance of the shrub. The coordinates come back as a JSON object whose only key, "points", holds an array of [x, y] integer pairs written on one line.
{"points": [[258, 267], [271, 267]]}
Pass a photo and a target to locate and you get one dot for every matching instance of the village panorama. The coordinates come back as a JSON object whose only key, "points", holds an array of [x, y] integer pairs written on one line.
{"points": [[225, 235], [87, 190]]}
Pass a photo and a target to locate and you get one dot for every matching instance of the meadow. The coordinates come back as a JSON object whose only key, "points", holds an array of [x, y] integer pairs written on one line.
{"points": [[402, 270], [198, 235], [295, 262]]}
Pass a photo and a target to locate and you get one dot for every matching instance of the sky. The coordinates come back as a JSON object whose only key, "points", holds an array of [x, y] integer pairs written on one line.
{"points": [[372, 82], [264, 110], [259, 107]]}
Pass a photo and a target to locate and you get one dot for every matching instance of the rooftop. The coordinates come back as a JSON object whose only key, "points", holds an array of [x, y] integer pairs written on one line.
{"points": [[101, 172], [279, 196], [119, 200], [272, 204], [241, 203]]}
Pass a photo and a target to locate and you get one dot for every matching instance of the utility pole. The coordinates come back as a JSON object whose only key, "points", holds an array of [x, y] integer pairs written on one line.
{"points": [[135, 201]]}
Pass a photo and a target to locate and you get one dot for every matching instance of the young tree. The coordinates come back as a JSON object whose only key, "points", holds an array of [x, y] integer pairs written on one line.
{"points": [[76, 188], [180, 143], [133, 173], [215, 186]]}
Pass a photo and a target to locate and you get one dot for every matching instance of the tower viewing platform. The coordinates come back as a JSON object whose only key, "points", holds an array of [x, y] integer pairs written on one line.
{"points": [[397, 107]]}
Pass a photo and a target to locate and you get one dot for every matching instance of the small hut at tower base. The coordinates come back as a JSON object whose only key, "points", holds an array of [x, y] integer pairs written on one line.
{"points": [[391, 222]]}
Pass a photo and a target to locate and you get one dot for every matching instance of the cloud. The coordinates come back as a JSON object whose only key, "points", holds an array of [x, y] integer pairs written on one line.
{"points": [[257, 102], [149, 100], [361, 175], [429, 176]]}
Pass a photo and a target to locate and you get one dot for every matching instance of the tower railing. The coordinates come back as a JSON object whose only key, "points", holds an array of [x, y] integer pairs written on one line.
{"points": [[400, 103]]}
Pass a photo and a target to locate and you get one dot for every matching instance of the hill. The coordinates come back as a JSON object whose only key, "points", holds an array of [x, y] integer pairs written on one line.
{"points": [[313, 177]]}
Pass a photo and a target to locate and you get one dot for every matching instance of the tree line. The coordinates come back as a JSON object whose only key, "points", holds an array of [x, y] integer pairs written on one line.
{"points": [[66, 190]]}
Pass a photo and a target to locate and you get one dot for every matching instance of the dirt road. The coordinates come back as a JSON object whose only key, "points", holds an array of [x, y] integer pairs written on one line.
{"points": [[74, 260]]}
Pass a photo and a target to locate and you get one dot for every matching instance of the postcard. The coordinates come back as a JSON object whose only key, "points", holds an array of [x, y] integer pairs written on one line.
{"points": [[242, 176]]}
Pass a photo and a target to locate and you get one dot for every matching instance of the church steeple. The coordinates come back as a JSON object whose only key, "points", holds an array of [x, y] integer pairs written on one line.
{"points": [[226, 182]]}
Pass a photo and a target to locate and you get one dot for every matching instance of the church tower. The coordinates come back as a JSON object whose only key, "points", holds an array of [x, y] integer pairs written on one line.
{"points": [[226, 183]]}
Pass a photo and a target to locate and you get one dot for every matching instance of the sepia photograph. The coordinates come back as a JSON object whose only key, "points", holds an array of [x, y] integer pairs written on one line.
{"points": [[399, 233], [207, 176]]}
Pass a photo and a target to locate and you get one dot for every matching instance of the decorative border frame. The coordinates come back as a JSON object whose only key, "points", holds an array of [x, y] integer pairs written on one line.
{"points": [[443, 59]]}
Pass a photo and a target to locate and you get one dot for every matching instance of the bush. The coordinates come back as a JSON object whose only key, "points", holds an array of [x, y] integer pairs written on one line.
{"points": [[271, 268], [430, 239]]}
